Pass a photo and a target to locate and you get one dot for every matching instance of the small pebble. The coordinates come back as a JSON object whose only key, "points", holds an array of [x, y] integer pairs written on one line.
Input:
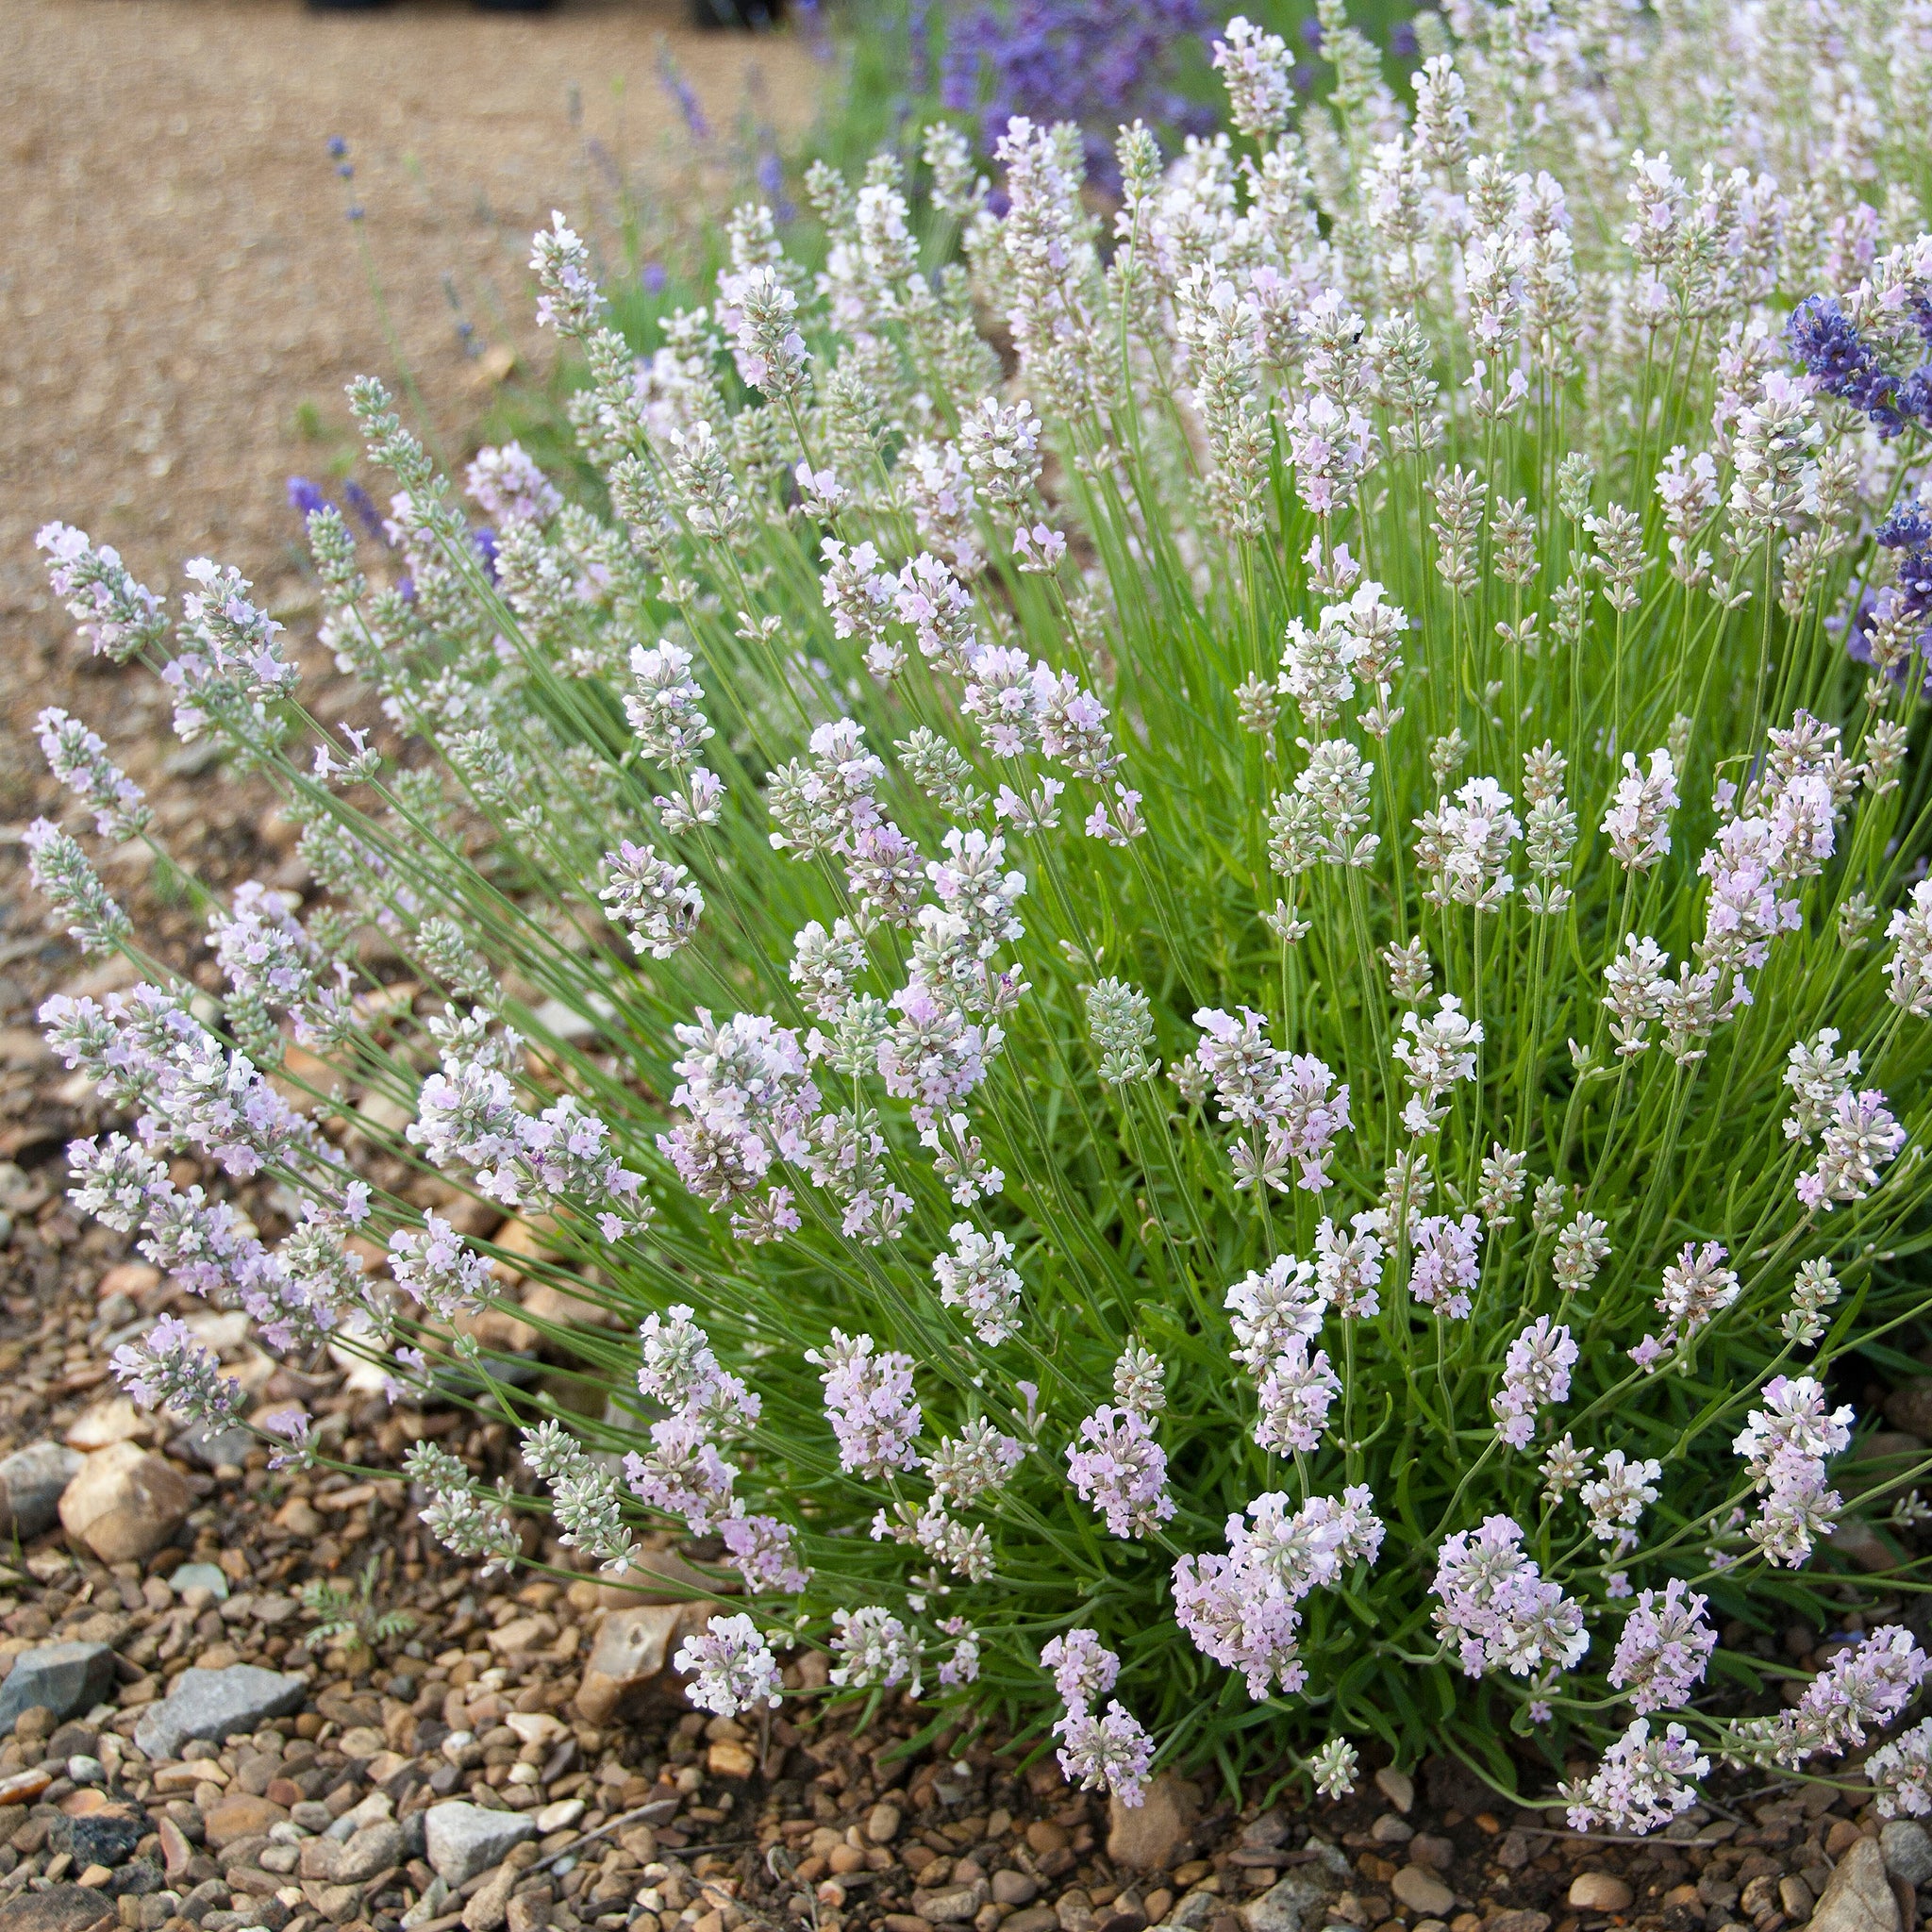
{"points": [[1597, 1891]]}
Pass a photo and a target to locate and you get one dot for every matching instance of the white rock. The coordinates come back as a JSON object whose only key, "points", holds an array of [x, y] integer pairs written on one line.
{"points": [[124, 1503], [464, 1839], [1421, 1891], [1598, 1891]]}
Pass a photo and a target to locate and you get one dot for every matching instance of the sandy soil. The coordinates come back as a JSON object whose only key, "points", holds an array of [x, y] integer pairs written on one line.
{"points": [[177, 277]]}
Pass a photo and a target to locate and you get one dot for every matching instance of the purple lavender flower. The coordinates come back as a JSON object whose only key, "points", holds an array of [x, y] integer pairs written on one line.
{"points": [[731, 1667], [1122, 1471], [172, 1369], [1841, 363], [1240, 1609], [305, 498], [1536, 1373], [1097, 62], [869, 1403], [362, 508], [1865, 1687], [1641, 1783], [680, 89], [1664, 1648], [1498, 1608]]}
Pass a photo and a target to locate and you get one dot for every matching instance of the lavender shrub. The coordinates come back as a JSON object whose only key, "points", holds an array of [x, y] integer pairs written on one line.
{"points": [[1240, 1013]]}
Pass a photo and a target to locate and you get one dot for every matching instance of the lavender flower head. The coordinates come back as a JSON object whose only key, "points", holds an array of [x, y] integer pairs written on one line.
{"points": [[1122, 1471], [1665, 1647], [1642, 1782], [173, 1369], [731, 1667]]}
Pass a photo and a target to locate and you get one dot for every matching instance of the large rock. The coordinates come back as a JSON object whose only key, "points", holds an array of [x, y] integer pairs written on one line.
{"points": [[1910, 1406], [463, 1839], [1301, 1898], [216, 1448], [1150, 1836], [125, 1504], [60, 1908], [1906, 1848], [662, 1576], [630, 1660], [31, 1480], [62, 1677], [213, 1704], [1859, 1897], [115, 1420]]}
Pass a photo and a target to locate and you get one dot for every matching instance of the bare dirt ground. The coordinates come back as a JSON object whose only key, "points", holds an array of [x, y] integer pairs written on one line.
{"points": [[176, 273]]}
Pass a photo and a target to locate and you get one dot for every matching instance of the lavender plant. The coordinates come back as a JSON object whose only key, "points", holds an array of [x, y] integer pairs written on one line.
{"points": [[1237, 1008]]}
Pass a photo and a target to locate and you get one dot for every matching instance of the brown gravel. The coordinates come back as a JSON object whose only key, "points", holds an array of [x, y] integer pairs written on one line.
{"points": [[659, 1819]]}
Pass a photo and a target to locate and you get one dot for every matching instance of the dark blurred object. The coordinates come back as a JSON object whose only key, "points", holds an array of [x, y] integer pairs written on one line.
{"points": [[345, 6], [744, 14]]}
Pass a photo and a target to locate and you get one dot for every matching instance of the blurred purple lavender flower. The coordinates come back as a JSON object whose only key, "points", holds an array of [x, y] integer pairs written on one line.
{"points": [[673, 83], [1099, 63], [305, 498], [362, 508]]}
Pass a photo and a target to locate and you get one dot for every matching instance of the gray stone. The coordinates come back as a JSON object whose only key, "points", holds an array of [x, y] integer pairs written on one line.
{"points": [[1906, 1848], [1859, 1897], [372, 1849], [213, 1704], [952, 1905], [1422, 1891], [428, 1906], [31, 1480], [65, 1678], [1296, 1901], [463, 1839], [213, 1449], [1033, 1919], [1195, 1913], [1149, 1836], [208, 1576]]}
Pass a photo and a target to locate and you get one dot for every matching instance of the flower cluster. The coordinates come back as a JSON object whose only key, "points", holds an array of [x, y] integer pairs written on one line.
{"points": [[1188, 898]]}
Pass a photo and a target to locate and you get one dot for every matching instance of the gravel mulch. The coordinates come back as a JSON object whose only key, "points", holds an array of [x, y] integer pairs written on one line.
{"points": [[652, 1817]]}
